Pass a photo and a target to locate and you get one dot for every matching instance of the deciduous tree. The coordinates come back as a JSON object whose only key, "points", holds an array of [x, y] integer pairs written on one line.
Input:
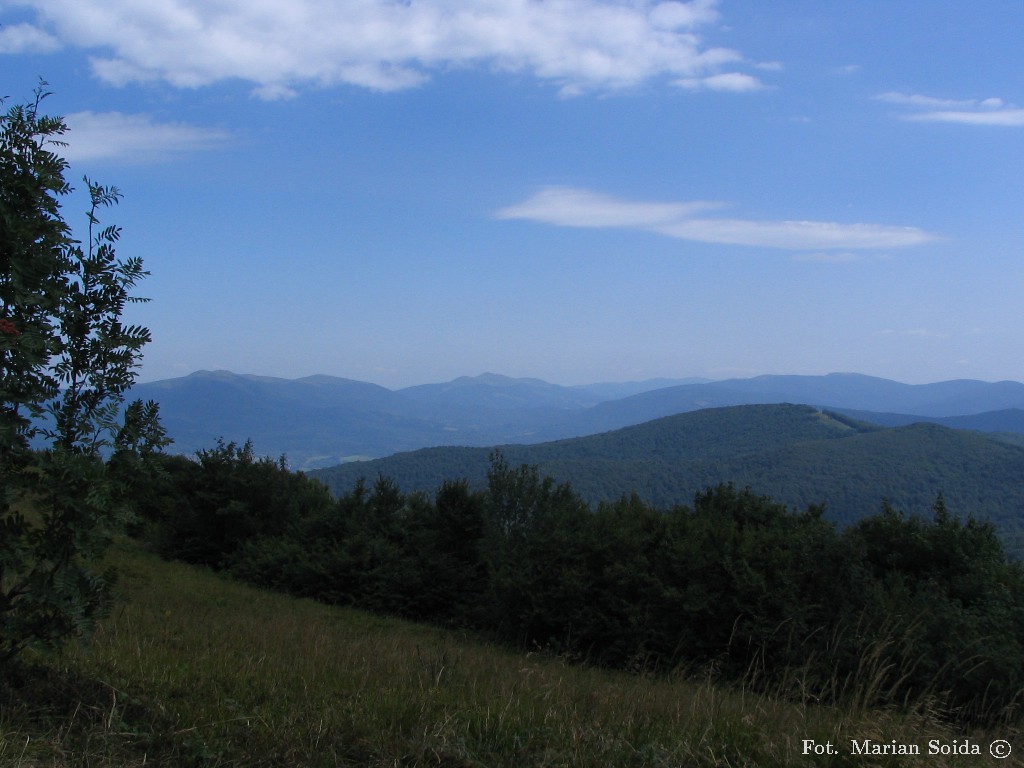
{"points": [[66, 360]]}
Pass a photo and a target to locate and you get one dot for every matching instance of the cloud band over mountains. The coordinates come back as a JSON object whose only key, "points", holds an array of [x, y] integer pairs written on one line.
{"points": [[571, 207]]}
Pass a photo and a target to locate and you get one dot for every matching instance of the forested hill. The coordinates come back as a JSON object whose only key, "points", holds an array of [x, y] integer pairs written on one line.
{"points": [[794, 453]]}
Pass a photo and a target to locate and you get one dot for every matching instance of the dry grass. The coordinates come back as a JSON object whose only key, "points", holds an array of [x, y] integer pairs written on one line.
{"points": [[192, 670]]}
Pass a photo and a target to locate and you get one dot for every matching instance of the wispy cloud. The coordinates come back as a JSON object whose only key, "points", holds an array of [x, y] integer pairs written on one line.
{"points": [[569, 207], [1008, 117], [133, 138], [580, 45], [25, 38], [736, 82], [990, 111]]}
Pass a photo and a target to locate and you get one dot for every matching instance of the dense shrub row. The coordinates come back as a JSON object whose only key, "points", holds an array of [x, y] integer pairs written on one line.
{"points": [[737, 583]]}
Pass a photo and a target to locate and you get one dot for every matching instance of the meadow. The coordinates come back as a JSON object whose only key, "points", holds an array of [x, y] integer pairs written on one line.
{"points": [[193, 669]]}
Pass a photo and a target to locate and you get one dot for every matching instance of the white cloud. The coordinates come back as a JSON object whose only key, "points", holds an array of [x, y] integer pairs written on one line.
{"points": [[795, 235], [133, 138], [1010, 117], [990, 111], [735, 82], [919, 100], [568, 207], [580, 45], [24, 38]]}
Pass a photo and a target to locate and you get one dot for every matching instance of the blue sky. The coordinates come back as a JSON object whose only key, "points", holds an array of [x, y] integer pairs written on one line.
{"points": [[576, 190]]}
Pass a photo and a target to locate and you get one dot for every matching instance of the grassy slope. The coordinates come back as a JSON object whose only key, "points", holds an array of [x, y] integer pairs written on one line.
{"points": [[192, 670]]}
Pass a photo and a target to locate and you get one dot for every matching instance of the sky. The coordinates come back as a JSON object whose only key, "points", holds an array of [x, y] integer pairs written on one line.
{"points": [[407, 191]]}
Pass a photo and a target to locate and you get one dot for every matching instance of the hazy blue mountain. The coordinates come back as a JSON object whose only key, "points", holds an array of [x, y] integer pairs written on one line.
{"points": [[869, 393], [838, 390], [490, 390], [323, 420], [209, 387], [318, 421], [1006, 420], [610, 390], [315, 421]]}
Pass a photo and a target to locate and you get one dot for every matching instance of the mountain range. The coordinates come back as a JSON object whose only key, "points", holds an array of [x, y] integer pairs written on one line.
{"points": [[321, 421]]}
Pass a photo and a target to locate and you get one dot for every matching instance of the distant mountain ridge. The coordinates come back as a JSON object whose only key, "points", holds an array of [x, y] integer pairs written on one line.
{"points": [[319, 421], [837, 390]]}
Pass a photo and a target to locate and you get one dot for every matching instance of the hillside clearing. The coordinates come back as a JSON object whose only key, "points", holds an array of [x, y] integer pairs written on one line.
{"points": [[194, 670]]}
